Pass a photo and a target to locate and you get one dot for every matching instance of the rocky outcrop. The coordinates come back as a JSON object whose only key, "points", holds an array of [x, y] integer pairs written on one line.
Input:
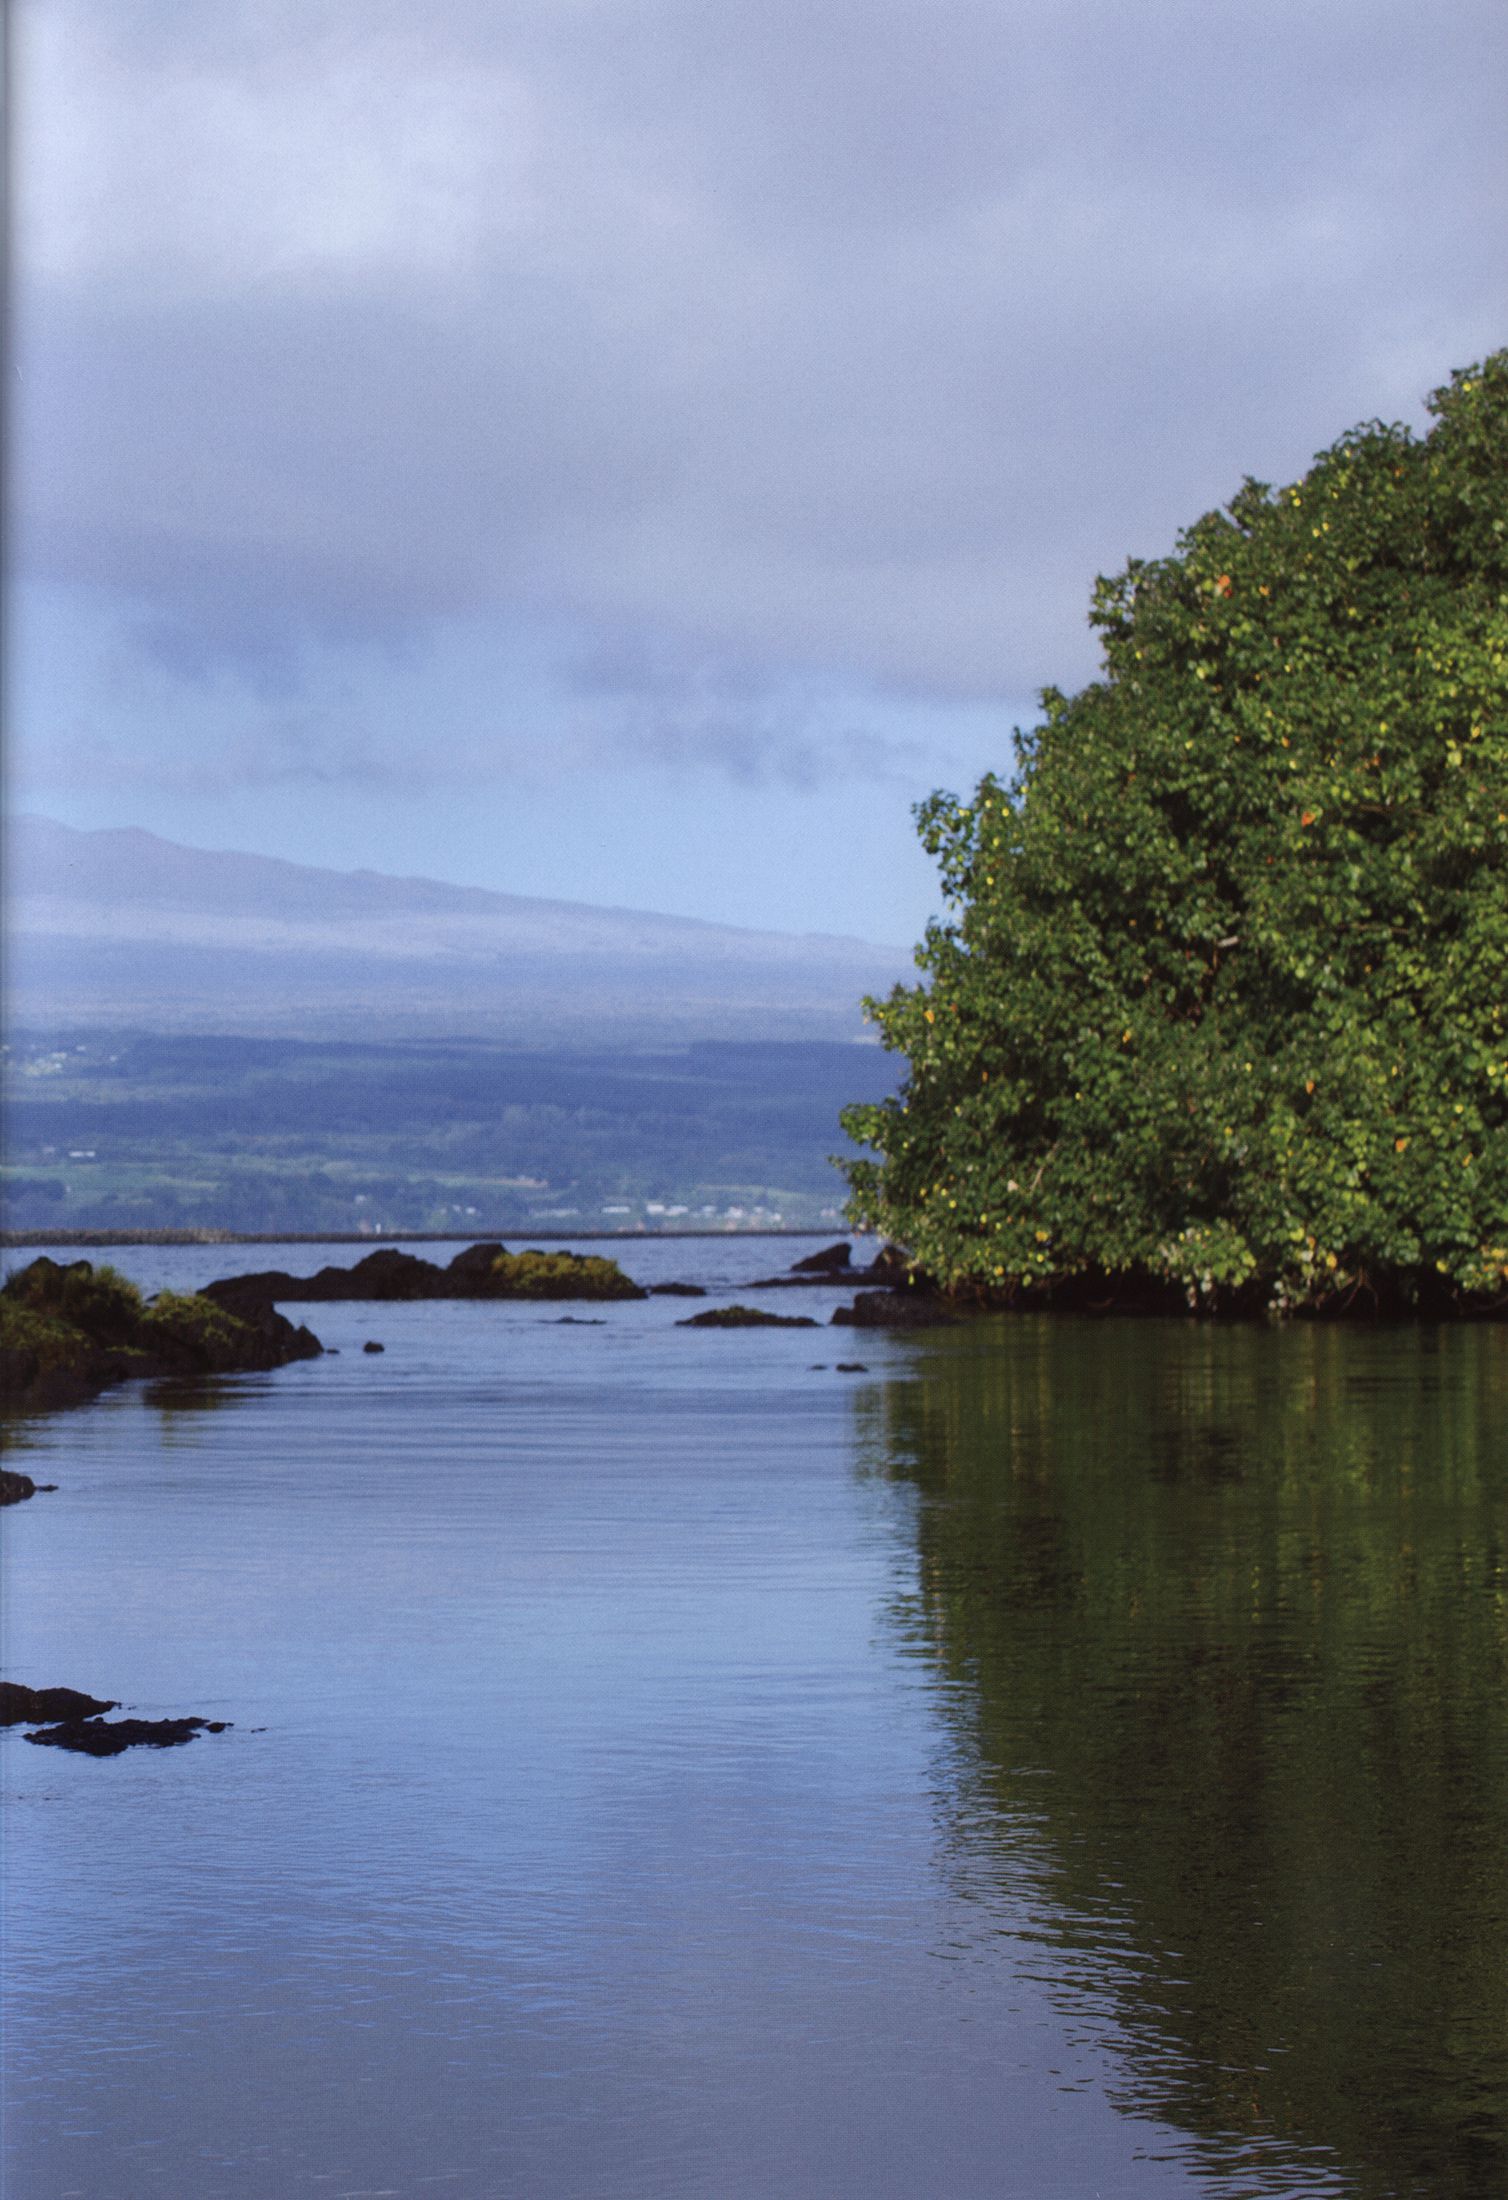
{"points": [[834, 1264], [832, 1260], [69, 1331], [745, 1317], [485, 1271], [65, 1718], [21, 1706], [108, 1737], [894, 1310], [892, 1265]]}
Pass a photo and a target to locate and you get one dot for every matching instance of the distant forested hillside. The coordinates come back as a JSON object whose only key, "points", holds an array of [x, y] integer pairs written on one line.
{"points": [[143, 1131]]}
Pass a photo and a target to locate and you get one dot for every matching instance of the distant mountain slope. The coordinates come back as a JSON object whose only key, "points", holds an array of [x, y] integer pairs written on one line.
{"points": [[123, 928]]}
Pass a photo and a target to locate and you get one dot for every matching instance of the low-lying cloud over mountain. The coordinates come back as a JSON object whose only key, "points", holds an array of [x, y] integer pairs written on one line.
{"points": [[123, 928]]}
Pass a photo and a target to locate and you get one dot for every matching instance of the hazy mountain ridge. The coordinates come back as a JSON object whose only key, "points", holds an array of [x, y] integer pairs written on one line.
{"points": [[122, 927]]}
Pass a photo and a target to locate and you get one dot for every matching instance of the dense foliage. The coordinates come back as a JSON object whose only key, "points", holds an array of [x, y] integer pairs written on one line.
{"points": [[1222, 1007]]}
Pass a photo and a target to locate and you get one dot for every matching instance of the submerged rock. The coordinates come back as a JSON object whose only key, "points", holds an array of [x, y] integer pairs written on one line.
{"points": [[745, 1317]]}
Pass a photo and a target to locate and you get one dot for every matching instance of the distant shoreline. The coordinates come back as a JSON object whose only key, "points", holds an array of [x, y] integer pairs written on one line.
{"points": [[95, 1238]]}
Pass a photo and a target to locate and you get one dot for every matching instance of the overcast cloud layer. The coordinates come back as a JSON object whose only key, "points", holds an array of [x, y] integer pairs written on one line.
{"points": [[699, 355]]}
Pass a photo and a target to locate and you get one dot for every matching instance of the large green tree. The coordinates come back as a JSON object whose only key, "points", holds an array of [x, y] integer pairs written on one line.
{"points": [[1221, 1006]]}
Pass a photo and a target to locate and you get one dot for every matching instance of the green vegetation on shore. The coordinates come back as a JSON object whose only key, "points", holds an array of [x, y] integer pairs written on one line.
{"points": [[1221, 1015]]}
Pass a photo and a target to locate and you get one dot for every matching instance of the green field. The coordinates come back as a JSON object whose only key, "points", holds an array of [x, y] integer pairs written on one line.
{"points": [[134, 1131]]}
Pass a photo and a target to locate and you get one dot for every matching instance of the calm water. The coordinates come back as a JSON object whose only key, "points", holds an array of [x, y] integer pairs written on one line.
{"points": [[1066, 1759]]}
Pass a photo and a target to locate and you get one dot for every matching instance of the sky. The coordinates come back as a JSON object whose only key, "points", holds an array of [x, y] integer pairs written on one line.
{"points": [[633, 450]]}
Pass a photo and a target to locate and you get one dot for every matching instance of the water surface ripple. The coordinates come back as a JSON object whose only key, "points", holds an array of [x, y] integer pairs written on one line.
{"points": [[1068, 1758]]}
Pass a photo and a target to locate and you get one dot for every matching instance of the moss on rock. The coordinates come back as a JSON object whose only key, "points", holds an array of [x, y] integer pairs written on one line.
{"points": [[536, 1274], [68, 1331]]}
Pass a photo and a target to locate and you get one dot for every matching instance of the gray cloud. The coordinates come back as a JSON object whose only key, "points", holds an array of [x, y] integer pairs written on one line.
{"points": [[805, 338]]}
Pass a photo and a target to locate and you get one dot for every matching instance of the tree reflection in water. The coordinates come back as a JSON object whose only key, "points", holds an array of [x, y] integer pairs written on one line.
{"points": [[1224, 1618]]}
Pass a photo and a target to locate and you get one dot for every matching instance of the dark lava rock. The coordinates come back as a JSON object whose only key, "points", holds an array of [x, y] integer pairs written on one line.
{"points": [[268, 1340], [483, 1271], [476, 1260], [893, 1310], [244, 1295], [372, 1345], [388, 1274], [889, 1266], [13, 1486], [68, 1719], [108, 1737], [829, 1261], [67, 1332], [678, 1290], [22, 1706], [745, 1317], [385, 1274]]}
